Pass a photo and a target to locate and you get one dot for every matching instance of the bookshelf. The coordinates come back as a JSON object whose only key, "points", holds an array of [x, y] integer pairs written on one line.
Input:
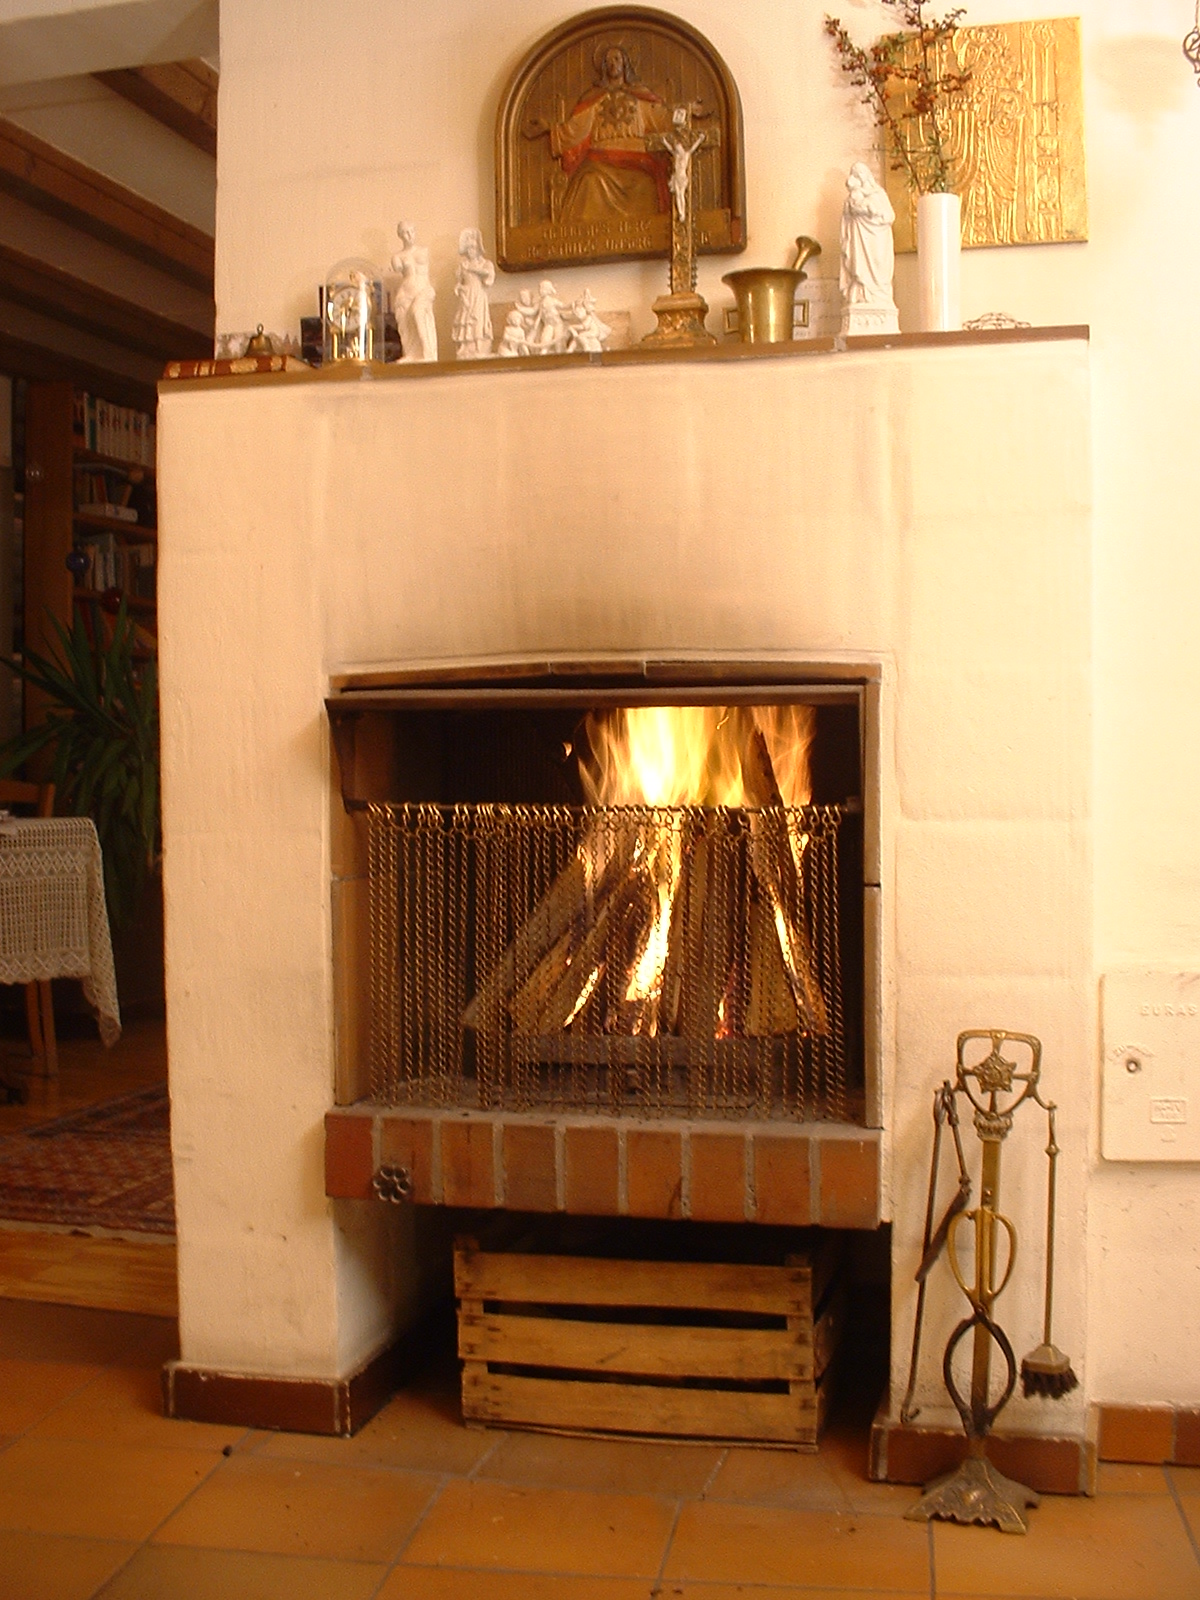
{"points": [[91, 535]]}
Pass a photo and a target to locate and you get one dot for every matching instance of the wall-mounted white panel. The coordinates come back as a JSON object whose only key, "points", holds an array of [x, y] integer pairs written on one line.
{"points": [[1151, 1066]]}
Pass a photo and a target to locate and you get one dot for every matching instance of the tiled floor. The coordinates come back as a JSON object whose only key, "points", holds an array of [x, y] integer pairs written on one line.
{"points": [[100, 1495]]}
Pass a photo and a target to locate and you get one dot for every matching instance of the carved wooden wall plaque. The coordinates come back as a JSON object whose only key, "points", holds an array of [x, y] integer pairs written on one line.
{"points": [[1015, 138], [581, 174]]}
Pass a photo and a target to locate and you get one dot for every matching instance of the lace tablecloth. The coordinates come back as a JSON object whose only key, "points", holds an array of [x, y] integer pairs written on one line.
{"points": [[53, 916]]}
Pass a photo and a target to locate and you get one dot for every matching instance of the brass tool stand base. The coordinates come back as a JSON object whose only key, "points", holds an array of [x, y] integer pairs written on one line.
{"points": [[680, 320], [976, 1492]]}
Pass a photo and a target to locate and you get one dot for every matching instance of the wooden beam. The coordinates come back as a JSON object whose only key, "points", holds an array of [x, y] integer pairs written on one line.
{"points": [[41, 287], [25, 360], [56, 183], [182, 95]]}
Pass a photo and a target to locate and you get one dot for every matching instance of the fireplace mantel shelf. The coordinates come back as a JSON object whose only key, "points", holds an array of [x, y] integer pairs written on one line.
{"points": [[636, 355]]}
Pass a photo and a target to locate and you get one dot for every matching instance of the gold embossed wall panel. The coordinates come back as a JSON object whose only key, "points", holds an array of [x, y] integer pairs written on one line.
{"points": [[1016, 138]]}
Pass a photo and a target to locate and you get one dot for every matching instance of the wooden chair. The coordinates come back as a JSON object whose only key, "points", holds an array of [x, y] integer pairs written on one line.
{"points": [[39, 1003]]}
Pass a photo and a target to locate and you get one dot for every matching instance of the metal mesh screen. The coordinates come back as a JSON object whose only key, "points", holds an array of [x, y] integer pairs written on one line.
{"points": [[629, 959]]}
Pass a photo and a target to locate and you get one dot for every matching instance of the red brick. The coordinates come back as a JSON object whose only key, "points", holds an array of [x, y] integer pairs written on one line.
{"points": [[1051, 1465], [654, 1172], [591, 1176], [530, 1168], [718, 1190], [468, 1175], [1136, 1433], [782, 1180], [849, 1183], [408, 1142], [349, 1156], [1187, 1438]]}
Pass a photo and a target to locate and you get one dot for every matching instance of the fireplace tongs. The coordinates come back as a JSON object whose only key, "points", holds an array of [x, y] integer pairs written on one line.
{"points": [[945, 1110]]}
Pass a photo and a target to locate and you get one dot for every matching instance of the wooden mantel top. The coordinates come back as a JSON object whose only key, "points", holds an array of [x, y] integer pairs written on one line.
{"points": [[635, 355]]}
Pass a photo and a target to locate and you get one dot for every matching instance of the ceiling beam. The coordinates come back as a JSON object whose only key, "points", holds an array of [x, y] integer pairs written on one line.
{"points": [[45, 177], [82, 305], [182, 95], [25, 360]]}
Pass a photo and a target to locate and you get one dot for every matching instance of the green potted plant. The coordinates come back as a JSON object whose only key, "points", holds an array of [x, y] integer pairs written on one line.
{"points": [[909, 82], [99, 734]]}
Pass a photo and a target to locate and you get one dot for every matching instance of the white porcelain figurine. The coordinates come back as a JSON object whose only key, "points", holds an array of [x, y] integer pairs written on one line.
{"points": [[519, 326], [412, 299], [585, 331], [472, 330], [549, 335], [868, 256]]}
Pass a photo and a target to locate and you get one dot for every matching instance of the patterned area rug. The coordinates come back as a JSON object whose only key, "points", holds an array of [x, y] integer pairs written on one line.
{"points": [[108, 1166]]}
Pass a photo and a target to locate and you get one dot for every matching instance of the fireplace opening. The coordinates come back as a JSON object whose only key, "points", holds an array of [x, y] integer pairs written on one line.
{"points": [[613, 896]]}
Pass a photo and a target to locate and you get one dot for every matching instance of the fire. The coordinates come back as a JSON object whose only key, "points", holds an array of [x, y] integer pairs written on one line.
{"points": [[666, 756], [695, 755]]}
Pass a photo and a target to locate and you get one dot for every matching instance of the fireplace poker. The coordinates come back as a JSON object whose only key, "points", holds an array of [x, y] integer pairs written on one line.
{"points": [[944, 1110]]}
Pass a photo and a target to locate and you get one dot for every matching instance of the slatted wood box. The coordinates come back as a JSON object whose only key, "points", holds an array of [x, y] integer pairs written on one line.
{"points": [[676, 1349]]}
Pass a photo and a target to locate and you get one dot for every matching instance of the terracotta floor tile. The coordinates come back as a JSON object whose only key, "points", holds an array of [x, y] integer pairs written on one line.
{"points": [[616, 1466], [160, 1572], [420, 1431], [724, 1543], [543, 1530], [47, 1566], [1191, 1510], [1186, 1479], [124, 1406], [1120, 1547], [1121, 1477], [302, 1509], [754, 1591], [102, 1491], [29, 1389], [778, 1478], [457, 1583]]}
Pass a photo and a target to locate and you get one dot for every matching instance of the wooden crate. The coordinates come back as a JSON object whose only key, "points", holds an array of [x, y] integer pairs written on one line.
{"points": [[695, 1349]]}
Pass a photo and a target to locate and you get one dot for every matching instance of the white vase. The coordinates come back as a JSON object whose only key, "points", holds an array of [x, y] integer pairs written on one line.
{"points": [[939, 257]]}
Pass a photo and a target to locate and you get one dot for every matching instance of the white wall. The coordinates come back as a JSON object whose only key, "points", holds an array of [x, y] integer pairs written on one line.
{"points": [[324, 149]]}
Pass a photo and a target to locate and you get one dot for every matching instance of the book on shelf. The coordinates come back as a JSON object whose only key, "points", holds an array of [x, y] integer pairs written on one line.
{"points": [[101, 562], [234, 366], [112, 430]]}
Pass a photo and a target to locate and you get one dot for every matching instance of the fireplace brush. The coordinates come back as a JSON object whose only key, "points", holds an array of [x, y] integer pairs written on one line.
{"points": [[995, 1089]]}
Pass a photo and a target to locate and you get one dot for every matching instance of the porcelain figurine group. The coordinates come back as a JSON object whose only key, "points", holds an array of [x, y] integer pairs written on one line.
{"points": [[537, 325]]}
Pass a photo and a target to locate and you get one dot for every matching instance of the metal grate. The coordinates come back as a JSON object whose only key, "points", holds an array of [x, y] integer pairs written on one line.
{"points": [[629, 960]]}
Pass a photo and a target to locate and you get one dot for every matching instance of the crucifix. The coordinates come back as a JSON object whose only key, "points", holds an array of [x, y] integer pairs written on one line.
{"points": [[681, 312]]}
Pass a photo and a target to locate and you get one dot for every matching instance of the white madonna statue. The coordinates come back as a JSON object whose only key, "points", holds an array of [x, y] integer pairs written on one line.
{"points": [[868, 255]]}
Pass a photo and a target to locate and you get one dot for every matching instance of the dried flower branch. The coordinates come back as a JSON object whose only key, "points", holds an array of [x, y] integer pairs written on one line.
{"points": [[906, 89]]}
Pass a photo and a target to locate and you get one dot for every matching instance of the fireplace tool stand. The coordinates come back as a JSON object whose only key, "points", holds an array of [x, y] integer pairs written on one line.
{"points": [[975, 1491]]}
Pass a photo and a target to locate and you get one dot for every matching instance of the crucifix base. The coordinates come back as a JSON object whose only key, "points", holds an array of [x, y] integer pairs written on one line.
{"points": [[680, 320]]}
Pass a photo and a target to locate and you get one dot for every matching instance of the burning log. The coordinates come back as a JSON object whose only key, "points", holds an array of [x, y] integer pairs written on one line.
{"points": [[563, 984], [775, 867], [561, 917]]}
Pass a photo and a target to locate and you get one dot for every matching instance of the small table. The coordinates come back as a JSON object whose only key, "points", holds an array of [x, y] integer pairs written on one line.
{"points": [[54, 919]]}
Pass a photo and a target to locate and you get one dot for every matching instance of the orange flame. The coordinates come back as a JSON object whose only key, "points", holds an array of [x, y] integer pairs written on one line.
{"points": [[687, 755]]}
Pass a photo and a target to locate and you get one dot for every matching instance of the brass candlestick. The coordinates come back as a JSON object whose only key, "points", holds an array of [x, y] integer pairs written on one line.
{"points": [[976, 1491]]}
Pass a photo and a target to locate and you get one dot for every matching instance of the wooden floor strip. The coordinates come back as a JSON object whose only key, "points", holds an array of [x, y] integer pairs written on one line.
{"points": [[76, 1270]]}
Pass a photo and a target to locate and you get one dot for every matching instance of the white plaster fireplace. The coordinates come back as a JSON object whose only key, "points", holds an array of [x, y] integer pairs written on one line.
{"points": [[917, 510]]}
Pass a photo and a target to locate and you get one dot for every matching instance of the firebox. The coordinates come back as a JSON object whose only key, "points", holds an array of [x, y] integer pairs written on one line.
{"points": [[629, 893]]}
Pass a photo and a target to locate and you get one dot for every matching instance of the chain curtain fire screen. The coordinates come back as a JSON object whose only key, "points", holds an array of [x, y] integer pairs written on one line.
{"points": [[638, 959]]}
